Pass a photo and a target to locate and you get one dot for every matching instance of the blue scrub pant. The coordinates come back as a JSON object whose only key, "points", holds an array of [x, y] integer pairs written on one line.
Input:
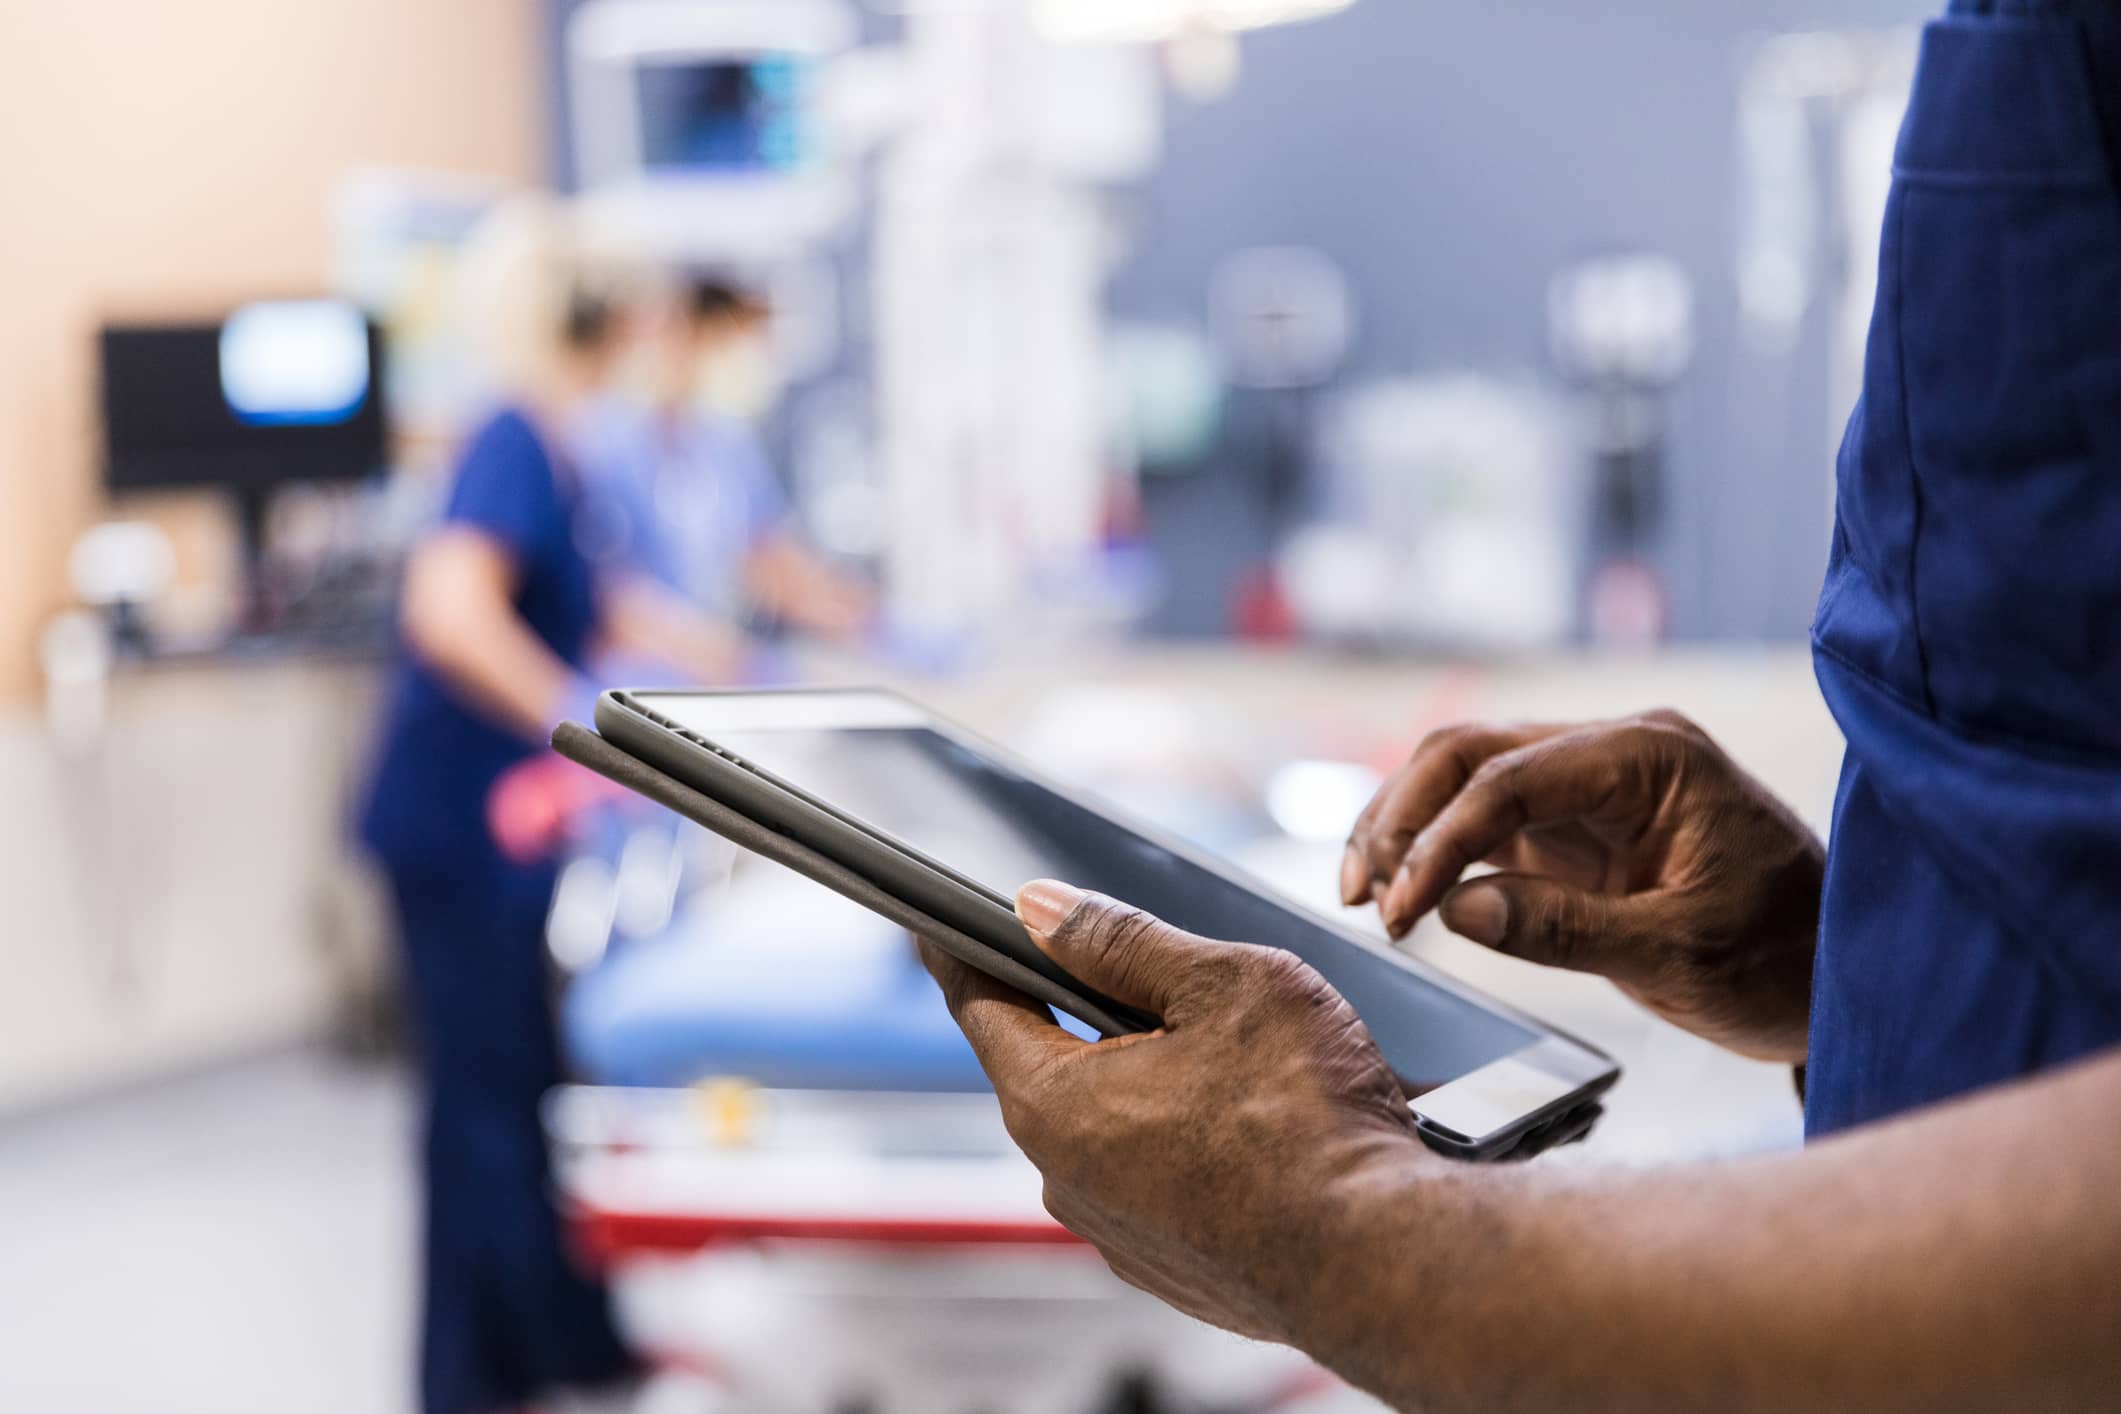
{"points": [[506, 1314]]}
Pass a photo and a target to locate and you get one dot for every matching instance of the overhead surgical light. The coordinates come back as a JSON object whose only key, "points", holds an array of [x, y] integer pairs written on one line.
{"points": [[1155, 21]]}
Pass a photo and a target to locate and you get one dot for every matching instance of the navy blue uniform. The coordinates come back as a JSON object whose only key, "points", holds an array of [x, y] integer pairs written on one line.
{"points": [[1969, 635], [505, 1312]]}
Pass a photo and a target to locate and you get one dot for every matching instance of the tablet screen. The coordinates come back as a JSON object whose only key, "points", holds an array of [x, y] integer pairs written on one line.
{"points": [[993, 825]]}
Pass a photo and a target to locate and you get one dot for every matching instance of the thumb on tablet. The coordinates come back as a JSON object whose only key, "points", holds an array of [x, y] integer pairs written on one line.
{"points": [[1130, 956]]}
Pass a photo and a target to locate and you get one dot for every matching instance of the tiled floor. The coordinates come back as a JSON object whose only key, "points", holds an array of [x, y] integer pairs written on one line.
{"points": [[239, 1242], [236, 1242]]}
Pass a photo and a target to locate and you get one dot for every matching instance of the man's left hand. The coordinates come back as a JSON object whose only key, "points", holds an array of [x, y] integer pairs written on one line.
{"points": [[1201, 1158]]}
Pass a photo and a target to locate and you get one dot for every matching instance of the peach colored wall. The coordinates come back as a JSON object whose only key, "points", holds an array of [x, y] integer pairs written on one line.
{"points": [[170, 156]]}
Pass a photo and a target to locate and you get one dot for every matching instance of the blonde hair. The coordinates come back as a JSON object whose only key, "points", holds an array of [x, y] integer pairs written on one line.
{"points": [[520, 277]]}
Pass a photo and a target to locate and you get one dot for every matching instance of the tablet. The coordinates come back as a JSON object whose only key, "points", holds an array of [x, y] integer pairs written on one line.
{"points": [[951, 826]]}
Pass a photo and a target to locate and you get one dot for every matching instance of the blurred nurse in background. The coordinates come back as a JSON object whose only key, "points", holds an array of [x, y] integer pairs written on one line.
{"points": [[503, 608], [687, 493]]}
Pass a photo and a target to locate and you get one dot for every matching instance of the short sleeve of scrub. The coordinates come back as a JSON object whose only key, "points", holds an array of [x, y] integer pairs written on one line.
{"points": [[760, 502], [505, 488]]}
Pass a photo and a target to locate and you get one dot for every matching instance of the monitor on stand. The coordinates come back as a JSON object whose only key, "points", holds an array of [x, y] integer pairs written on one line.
{"points": [[280, 393]]}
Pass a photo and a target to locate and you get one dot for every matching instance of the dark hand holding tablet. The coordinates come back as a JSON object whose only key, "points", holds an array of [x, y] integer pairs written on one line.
{"points": [[870, 795], [1186, 1154]]}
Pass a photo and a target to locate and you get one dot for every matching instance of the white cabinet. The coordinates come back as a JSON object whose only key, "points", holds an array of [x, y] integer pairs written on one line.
{"points": [[183, 889]]}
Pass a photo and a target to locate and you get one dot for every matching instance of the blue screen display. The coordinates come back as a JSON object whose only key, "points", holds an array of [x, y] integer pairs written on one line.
{"points": [[725, 117], [295, 363]]}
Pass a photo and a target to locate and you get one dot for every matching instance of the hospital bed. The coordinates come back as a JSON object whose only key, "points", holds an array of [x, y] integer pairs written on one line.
{"points": [[788, 1161]]}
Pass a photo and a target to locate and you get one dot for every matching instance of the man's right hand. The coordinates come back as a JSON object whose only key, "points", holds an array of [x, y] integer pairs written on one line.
{"points": [[1635, 849]]}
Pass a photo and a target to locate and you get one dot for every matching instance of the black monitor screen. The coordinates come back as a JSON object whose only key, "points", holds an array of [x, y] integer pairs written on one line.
{"points": [[287, 391]]}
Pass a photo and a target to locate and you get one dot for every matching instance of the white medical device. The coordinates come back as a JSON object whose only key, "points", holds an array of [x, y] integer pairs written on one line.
{"points": [[703, 139], [735, 133], [697, 127]]}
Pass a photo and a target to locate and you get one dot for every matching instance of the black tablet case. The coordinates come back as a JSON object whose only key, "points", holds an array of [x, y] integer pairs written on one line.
{"points": [[585, 747]]}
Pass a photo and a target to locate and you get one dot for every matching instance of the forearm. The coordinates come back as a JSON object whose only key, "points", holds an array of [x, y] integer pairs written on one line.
{"points": [[645, 620], [507, 672], [1969, 1257], [457, 617], [797, 588]]}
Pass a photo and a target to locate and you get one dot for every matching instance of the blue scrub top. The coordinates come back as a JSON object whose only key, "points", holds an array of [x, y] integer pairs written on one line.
{"points": [[441, 755], [1968, 637], [682, 499]]}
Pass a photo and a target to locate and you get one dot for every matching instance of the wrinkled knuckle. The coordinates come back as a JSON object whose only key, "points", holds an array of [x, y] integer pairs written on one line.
{"points": [[1096, 928], [1281, 977], [1672, 720], [1649, 751], [1449, 740], [1552, 928], [1498, 774], [1547, 931], [1278, 967], [1643, 736], [1385, 844], [1122, 943], [1568, 925], [1122, 931], [1221, 970]]}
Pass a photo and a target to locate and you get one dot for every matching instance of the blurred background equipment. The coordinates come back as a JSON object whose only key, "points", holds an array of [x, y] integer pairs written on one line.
{"points": [[1283, 319], [1622, 329], [396, 234], [1450, 512], [279, 395], [1818, 114], [1117, 22], [990, 257], [119, 568], [699, 127], [707, 137], [1206, 398]]}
